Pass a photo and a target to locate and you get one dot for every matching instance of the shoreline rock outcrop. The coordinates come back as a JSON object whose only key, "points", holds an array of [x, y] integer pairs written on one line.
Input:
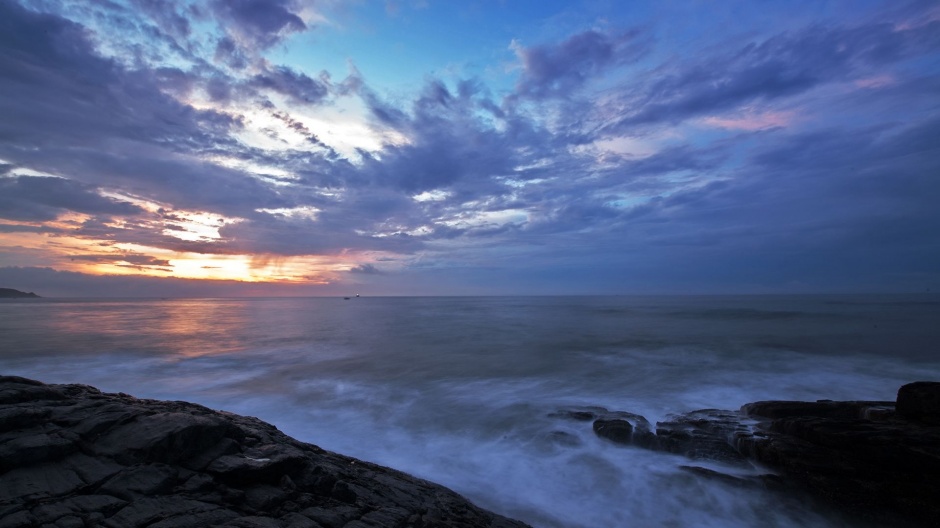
{"points": [[72, 456], [876, 461]]}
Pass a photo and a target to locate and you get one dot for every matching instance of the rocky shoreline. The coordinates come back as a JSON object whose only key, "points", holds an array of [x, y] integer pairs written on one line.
{"points": [[877, 462], [72, 456]]}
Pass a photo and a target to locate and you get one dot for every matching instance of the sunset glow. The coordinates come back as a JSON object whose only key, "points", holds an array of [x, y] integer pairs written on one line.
{"points": [[435, 148]]}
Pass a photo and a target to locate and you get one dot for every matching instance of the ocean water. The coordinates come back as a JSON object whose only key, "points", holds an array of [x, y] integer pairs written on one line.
{"points": [[461, 391]]}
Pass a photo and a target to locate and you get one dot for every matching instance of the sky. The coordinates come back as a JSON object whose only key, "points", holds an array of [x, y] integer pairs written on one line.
{"points": [[431, 147]]}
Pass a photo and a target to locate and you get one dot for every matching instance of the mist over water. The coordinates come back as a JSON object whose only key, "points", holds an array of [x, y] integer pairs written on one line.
{"points": [[461, 390]]}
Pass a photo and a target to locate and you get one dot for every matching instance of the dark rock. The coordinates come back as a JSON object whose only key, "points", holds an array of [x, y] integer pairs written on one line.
{"points": [[705, 434], [255, 522], [169, 438], [343, 493], [386, 517], [70, 521], [616, 430], [33, 484], [296, 520], [219, 517], [141, 481], [920, 401], [748, 482], [828, 409], [198, 483], [880, 465], [258, 464], [332, 517], [287, 483], [14, 389], [264, 497], [26, 449], [15, 418], [580, 414], [617, 426], [72, 456], [20, 519], [148, 510]]}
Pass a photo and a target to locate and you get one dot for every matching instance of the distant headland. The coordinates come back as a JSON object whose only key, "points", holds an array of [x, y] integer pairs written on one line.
{"points": [[10, 293]]}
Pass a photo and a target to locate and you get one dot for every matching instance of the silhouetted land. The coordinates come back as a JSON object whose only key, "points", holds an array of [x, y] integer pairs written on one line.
{"points": [[10, 293]]}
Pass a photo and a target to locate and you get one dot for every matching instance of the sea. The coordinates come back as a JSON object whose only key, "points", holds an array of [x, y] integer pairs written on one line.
{"points": [[465, 391]]}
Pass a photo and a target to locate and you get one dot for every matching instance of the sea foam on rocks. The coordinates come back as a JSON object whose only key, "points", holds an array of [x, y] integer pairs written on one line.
{"points": [[877, 461]]}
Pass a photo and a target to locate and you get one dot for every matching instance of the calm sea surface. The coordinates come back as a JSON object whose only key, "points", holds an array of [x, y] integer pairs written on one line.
{"points": [[460, 390]]}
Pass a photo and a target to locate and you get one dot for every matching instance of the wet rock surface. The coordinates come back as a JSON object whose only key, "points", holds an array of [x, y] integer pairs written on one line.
{"points": [[72, 456], [861, 455], [877, 461]]}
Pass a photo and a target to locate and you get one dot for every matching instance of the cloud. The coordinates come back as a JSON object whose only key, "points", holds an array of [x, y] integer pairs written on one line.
{"points": [[23, 228], [94, 121], [32, 198], [48, 282], [556, 70], [168, 19], [365, 269], [136, 261], [258, 24], [76, 95], [228, 52], [780, 66], [751, 120], [298, 87], [592, 164]]}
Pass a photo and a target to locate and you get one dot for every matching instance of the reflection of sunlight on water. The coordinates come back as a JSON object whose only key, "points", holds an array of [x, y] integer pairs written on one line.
{"points": [[172, 328], [185, 328]]}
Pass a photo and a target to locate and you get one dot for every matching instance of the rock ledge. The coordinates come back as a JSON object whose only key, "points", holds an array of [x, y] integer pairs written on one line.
{"points": [[72, 456]]}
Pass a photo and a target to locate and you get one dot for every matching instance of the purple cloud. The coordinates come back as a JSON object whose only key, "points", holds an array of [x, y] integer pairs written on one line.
{"points": [[298, 87], [542, 180], [556, 70], [780, 66], [35, 199], [365, 269], [259, 23]]}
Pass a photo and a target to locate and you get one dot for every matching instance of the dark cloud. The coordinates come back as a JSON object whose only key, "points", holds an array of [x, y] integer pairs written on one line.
{"points": [[24, 228], [365, 269], [94, 121], [298, 87], [450, 146], [556, 70], [35, 198], [259, 24], [77, 96], [783, 65], [837, 206], [227, 52], [135, 260]]}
